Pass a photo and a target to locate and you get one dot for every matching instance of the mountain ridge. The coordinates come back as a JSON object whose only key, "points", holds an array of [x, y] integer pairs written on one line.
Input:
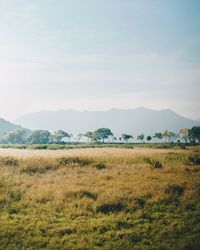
{"points": [[133, 121], [6, 126]]}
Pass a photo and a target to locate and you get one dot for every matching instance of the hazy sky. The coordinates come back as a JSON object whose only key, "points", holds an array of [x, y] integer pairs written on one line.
{"points": [[99, 54]]}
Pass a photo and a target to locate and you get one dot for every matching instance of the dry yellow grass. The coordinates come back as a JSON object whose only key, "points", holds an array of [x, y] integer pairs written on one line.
{"points": [[97, 152], [76, 198]]}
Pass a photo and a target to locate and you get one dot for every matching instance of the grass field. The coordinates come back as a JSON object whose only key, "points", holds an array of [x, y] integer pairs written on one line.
{"points": [[93, 145], [100, 198]]}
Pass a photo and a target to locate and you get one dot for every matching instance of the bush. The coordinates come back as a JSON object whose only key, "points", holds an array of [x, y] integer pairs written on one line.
{"points": [[153, 163], [87, 194], [14, 209], [15, 196], [140, 202], [10, 161], [174, 189], [100, 166], [107, 208], [81, 194], [39, 147], [30, 169], [66, 231], [193, 160], [74, 161]]}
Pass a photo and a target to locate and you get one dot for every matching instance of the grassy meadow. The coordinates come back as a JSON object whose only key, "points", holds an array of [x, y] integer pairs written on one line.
{"points": [[100, 198], [92, 145]]}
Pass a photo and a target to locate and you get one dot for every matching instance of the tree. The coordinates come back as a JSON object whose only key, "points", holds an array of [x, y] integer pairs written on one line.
{"points": [[126, 137], [58, 136], [169, 135], [96, 137], [89, 135], [149, 138], [39, 137], [17, 136], [140, 137], [102, 134], [158, 136], [184, 134], [79, 136], [114, 138], [194, 134], [71, 136]]}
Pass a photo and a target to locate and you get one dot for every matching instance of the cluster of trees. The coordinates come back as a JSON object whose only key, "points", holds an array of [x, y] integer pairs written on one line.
{"points": [[99, 135], [25, 136], [192, 135]]}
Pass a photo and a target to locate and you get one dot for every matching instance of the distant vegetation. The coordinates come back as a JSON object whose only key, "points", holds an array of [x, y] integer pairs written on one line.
{"points": [[101, 135]]}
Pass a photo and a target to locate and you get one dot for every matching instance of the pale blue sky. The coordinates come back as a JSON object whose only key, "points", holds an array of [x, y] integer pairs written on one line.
{"points": [[98, 54]]}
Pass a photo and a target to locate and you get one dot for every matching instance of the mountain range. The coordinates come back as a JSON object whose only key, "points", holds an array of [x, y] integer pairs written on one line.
{"points": [[6, 126], [131, 121]]}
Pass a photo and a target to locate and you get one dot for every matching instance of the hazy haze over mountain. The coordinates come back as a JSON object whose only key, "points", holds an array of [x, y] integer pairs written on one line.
{"points": [[133, 121]]}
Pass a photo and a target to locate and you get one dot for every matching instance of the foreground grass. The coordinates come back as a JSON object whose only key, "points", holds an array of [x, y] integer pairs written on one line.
{"points": [[107, 200]]}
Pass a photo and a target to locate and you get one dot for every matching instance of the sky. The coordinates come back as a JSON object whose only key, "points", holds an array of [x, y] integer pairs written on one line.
{"points": [[99, 54]]}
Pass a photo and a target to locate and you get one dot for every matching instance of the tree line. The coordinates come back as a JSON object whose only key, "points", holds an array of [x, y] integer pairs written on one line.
{"points": [[101, 135]]}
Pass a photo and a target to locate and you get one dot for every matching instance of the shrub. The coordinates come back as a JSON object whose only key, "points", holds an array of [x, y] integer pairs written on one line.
{"points": [[66, 231], [197, 187], [122, 225], [14, 209], [30, 169], [100, 166], [15, 196], [174, 189], [140, 202], [157, 164], [10, 161], [81, 194], [55, 147], [153, 163], [135, 238], [74, 161], [39, 147], [87, 194], [107, 208], [193, 160]]}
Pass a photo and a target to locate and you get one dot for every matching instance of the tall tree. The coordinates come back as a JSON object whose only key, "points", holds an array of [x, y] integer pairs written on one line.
{"points": [[89, 135], [159, 136], [140, 137], [126, 137], [17, 136], [79, 136], [58, 136], [184, 134], [194, 134], [102, 134], [169, 135], [39, 137]]}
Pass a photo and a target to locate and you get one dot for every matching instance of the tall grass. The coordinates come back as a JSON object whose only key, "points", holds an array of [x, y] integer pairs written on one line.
{"points": [[100, 199], [94, 145]]}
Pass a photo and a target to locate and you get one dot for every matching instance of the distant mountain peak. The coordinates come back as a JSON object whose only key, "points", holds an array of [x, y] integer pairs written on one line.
{"points": [[6, 126], [167, 110], [131, 121]]}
